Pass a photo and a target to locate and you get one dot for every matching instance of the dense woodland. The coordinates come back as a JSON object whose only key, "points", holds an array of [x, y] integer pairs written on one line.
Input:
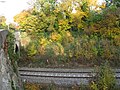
{"points": [[70, 31]]}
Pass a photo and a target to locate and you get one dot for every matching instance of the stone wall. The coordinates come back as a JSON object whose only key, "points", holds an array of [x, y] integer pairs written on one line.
{"points": [[9, 80], [5, 81]]}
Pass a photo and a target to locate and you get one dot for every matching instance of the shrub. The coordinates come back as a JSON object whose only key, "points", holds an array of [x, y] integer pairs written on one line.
{"points": [[105, 79]]}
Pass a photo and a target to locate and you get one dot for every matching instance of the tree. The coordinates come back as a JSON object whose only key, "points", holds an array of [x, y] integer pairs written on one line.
{"points": [[85, 33], [21, 18], [2, 22], [117, 2]]}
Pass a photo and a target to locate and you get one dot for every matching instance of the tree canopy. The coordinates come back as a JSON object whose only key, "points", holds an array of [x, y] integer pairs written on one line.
{"points": [[72, 29], [2, 22]]}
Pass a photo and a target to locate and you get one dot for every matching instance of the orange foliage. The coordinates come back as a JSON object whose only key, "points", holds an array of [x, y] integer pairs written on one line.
{"points": [[21, 17]]}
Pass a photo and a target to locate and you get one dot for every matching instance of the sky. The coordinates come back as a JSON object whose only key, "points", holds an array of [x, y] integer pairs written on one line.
{"points": [[9, 8]]}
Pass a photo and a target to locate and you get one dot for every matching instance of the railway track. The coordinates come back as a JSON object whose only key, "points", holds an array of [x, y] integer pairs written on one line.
{"points": [[60, 76]]}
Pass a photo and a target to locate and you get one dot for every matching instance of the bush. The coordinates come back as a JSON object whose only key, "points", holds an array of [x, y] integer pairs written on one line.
{"points": [[105, 79]]}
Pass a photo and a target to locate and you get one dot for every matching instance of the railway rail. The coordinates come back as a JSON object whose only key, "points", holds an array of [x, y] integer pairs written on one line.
{"points": [[61, 76]]}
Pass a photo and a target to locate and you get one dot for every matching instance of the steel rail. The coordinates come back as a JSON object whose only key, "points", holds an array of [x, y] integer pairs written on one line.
{"points": [[61, 76]]}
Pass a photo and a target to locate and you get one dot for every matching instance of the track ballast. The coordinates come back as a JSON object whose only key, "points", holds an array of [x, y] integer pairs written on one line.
{"points": [[61, 76]]}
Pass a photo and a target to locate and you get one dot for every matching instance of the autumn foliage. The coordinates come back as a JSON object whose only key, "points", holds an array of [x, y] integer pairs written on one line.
{"points": [[72, 30]]}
